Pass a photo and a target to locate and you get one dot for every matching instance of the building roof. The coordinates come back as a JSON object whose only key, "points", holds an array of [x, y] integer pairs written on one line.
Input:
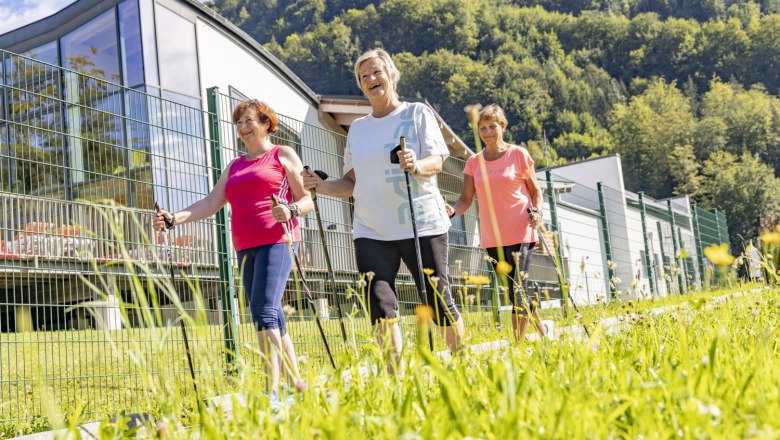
{"points": [[81, 11]]}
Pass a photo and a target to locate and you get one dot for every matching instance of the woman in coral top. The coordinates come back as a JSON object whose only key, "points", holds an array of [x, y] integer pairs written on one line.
{"points": [[258, 235], [504, 180]]}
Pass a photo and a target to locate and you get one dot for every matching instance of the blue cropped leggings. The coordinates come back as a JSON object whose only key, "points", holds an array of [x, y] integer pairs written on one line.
{"points": [[265, 270]]}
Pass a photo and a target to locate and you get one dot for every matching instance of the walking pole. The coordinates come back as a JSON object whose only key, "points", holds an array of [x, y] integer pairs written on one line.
{"points": [[420, 273], [331, 273], [560, 276], [306, 290], [168, 227]]}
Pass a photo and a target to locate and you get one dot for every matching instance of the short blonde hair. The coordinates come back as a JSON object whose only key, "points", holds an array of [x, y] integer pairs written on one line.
{"points": [[386, 60], [493, 112]]}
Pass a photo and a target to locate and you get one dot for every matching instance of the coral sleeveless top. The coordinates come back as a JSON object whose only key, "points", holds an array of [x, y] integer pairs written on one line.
{"points": [[248, 189]]}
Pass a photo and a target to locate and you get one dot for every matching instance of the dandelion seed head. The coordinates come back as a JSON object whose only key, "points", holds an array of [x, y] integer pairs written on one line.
{"points": [[435, 280], [361, 283], [288, 310], [370, 275]]}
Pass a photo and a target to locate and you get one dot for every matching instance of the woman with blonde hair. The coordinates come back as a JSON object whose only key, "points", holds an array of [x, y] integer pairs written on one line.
{"points": [[503, 178], [374, 175]]}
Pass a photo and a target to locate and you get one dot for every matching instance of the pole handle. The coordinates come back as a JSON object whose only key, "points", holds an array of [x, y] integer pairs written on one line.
{"points": [[403, 143]]}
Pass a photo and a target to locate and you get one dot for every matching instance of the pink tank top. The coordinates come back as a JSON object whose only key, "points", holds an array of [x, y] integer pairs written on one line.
{"points": [[248, 189]]}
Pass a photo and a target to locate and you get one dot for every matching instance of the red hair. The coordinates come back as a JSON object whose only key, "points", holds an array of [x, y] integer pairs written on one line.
{"points": [[264, 113]]}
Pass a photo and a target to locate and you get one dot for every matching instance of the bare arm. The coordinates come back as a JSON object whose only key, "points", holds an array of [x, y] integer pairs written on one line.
{"points": [[422, 167], [203, 208], [536, 196], [342, 187], [466, 197], [292, 166]]}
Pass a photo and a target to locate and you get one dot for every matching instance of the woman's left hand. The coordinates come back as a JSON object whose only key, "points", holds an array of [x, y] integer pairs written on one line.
{"points": [[281, 213], [535, 219], [408, 160]]}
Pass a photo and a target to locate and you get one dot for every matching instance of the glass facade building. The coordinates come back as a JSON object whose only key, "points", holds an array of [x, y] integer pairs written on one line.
{"points": [[112, 132]]}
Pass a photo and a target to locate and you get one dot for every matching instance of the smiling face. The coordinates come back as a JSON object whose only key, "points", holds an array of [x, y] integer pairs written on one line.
{"points": [[490, 131], [250, 129], [375, 81]]}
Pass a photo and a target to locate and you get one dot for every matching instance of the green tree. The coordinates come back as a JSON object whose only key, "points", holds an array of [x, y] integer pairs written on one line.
{"points": [[745, 189], [645, 133]]}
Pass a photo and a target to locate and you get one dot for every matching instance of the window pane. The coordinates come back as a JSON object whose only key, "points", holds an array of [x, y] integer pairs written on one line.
{"points": [[46, 53], [92, 48], [32, 150], [185, 149], [130, 33], [149, 42], [177, 53]]}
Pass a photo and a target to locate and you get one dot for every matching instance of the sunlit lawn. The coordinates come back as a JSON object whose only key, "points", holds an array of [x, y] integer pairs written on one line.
{"points": [[708, 370]]}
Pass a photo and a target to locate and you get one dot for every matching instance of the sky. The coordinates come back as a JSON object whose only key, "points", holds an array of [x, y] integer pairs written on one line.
{"points": [[17, 13]]}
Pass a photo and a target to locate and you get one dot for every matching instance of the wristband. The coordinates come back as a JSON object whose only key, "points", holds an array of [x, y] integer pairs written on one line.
{"points": [[452, 215], [295, 210], [170, 224]]}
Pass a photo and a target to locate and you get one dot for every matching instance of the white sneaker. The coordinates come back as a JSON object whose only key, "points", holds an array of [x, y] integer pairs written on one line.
{"points": [[549, 330]]}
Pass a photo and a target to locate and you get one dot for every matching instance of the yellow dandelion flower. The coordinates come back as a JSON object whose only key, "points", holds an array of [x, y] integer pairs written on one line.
{"points": [[503, 268], [719, 255], [772, 237], [424, 314], [428, 271], [478, 280]]}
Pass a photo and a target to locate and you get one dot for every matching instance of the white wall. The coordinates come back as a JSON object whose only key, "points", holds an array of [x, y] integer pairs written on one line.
{"points": [[581, 241], [636, 245], [224, 62], [605, 169]]}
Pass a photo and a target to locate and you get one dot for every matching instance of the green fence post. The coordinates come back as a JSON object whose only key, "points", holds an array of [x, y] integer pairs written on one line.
{"points": [[557, 249], [683, 261], [676, 248], [648, 251], [227, 283], [723, 230], [607, 242], [697, 243], [669, 286]]}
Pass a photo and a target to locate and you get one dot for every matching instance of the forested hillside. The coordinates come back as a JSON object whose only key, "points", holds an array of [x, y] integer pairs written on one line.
{"points": [[686, 91]]}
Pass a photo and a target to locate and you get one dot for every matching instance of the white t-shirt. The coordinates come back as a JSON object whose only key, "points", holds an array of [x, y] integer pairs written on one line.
{"points": [[381, 200]]}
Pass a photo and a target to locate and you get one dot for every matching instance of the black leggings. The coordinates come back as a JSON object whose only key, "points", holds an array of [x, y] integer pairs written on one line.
{"points": [[519, 294], [383, 258]]}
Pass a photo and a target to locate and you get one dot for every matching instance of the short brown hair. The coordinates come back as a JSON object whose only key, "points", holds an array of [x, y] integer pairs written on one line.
{"points": [[494, 113], [264, 113]]}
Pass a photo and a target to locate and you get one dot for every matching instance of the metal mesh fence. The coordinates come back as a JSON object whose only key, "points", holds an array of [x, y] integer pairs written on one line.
{"points": [[82, 161], [85, 285]]}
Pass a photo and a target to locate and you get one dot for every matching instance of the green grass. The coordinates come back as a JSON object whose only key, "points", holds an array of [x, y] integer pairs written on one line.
{"points": [[708, 370]]}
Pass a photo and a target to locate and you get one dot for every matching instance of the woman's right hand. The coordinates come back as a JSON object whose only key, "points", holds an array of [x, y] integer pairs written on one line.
{"points": [[160, 216], [311, 181], [450, 210]]}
